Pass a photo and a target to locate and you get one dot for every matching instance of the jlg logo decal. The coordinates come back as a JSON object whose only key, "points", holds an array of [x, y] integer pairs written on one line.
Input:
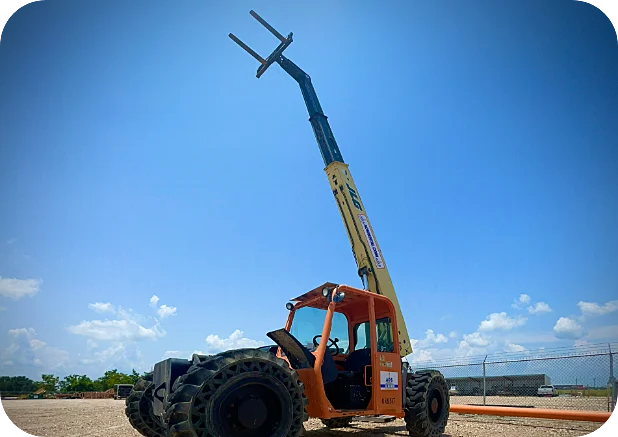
{"points": [[354, 197]]}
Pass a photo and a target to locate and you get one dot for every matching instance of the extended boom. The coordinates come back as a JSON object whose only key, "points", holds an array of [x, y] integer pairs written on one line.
{"points": [[369, 259]]}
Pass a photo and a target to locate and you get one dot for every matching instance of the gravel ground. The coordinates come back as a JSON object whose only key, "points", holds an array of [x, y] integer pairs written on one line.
{"points": [[560, 402], [105, 417]]}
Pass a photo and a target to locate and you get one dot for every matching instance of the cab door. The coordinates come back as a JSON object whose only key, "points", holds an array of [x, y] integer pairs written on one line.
{"points": [[387, 384]]}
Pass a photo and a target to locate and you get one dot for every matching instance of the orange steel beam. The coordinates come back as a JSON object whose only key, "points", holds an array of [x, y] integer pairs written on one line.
{"points": [[539, 413]]}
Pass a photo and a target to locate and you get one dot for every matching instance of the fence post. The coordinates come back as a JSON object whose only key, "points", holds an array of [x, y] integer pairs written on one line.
{"points": [[612, 380], [484, 381]]}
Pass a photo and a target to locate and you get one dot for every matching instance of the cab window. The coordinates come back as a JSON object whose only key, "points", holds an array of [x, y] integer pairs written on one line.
{"points": [[308, 323], [384, 335]]}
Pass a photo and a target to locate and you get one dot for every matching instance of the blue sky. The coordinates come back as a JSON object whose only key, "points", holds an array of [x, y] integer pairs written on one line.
{"points": [[141, 157]]}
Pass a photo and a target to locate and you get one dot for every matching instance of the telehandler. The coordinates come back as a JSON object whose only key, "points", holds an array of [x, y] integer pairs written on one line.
{"points": [[340, 355]]}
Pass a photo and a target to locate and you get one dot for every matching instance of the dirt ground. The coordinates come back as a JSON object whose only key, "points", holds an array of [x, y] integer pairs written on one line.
{"points": [[105, 417]]}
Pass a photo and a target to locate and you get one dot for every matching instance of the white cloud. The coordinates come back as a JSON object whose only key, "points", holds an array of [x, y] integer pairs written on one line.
{"points": [[165, 311], [512, 347], [432, 337], [36, 344], [419, 356], [236, 340], [125, 327], [101, 307], [475, 339], [116, 330], [501, 321], [154, 300], [121, 355], [471, 344], [17, 288], [539, 307], [28, 332], [453, 334], [105, 355], [26, 350], [174, 354], [129, 315], [466, 349], [523, 299], [594, 309], [91, 344], [567, 328]]}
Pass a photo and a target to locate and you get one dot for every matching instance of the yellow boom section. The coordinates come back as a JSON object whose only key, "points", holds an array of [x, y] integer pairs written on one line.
{"points": [[371, 264], [365, 247]]}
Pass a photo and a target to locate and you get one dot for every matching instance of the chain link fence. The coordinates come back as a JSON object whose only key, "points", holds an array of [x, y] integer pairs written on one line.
{"points": [[575, 378]]}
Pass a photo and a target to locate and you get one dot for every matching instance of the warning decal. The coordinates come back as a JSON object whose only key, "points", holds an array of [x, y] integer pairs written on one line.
{"points": [[389, 380]]}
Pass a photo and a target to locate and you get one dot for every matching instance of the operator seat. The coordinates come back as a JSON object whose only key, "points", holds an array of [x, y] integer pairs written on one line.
{"points": [[357, 360]]}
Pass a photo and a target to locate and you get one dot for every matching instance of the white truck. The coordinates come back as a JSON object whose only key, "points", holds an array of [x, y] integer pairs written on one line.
{"points": [[547, 390]]}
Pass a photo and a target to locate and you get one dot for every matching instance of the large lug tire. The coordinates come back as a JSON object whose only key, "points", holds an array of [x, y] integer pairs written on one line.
{"points": [[337, 422], [138, 408], [427, 404], [246, 392]]}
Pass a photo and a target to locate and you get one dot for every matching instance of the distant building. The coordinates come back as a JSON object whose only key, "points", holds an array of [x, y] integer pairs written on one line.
{"points": [[510, 385], [39, 394]]}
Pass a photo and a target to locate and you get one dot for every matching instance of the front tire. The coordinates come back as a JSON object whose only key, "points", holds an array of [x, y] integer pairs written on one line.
{"points": [[139, 409], [427, 404], [240, 393]]}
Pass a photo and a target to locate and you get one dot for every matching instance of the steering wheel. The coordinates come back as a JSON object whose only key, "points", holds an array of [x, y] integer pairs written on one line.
{"points": [[330, 342]]}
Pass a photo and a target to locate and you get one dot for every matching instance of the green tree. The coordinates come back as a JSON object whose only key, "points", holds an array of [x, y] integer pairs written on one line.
{"points": [[112, 377], [14, 385], [49, 383], [134, 377], [76, 383]]}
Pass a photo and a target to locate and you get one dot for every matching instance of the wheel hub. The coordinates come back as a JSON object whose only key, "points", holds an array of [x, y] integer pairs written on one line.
{"points": [[249, 405], [252, 413], [436, 403]]}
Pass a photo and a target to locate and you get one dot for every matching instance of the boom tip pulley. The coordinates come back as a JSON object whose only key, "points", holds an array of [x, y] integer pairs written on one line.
{"points": [[275, 55]]}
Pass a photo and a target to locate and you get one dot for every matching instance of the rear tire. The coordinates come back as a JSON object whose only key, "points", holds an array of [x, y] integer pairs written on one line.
{"points": [[337, 422], [427, 404], [139, 409], [246, 392]]}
